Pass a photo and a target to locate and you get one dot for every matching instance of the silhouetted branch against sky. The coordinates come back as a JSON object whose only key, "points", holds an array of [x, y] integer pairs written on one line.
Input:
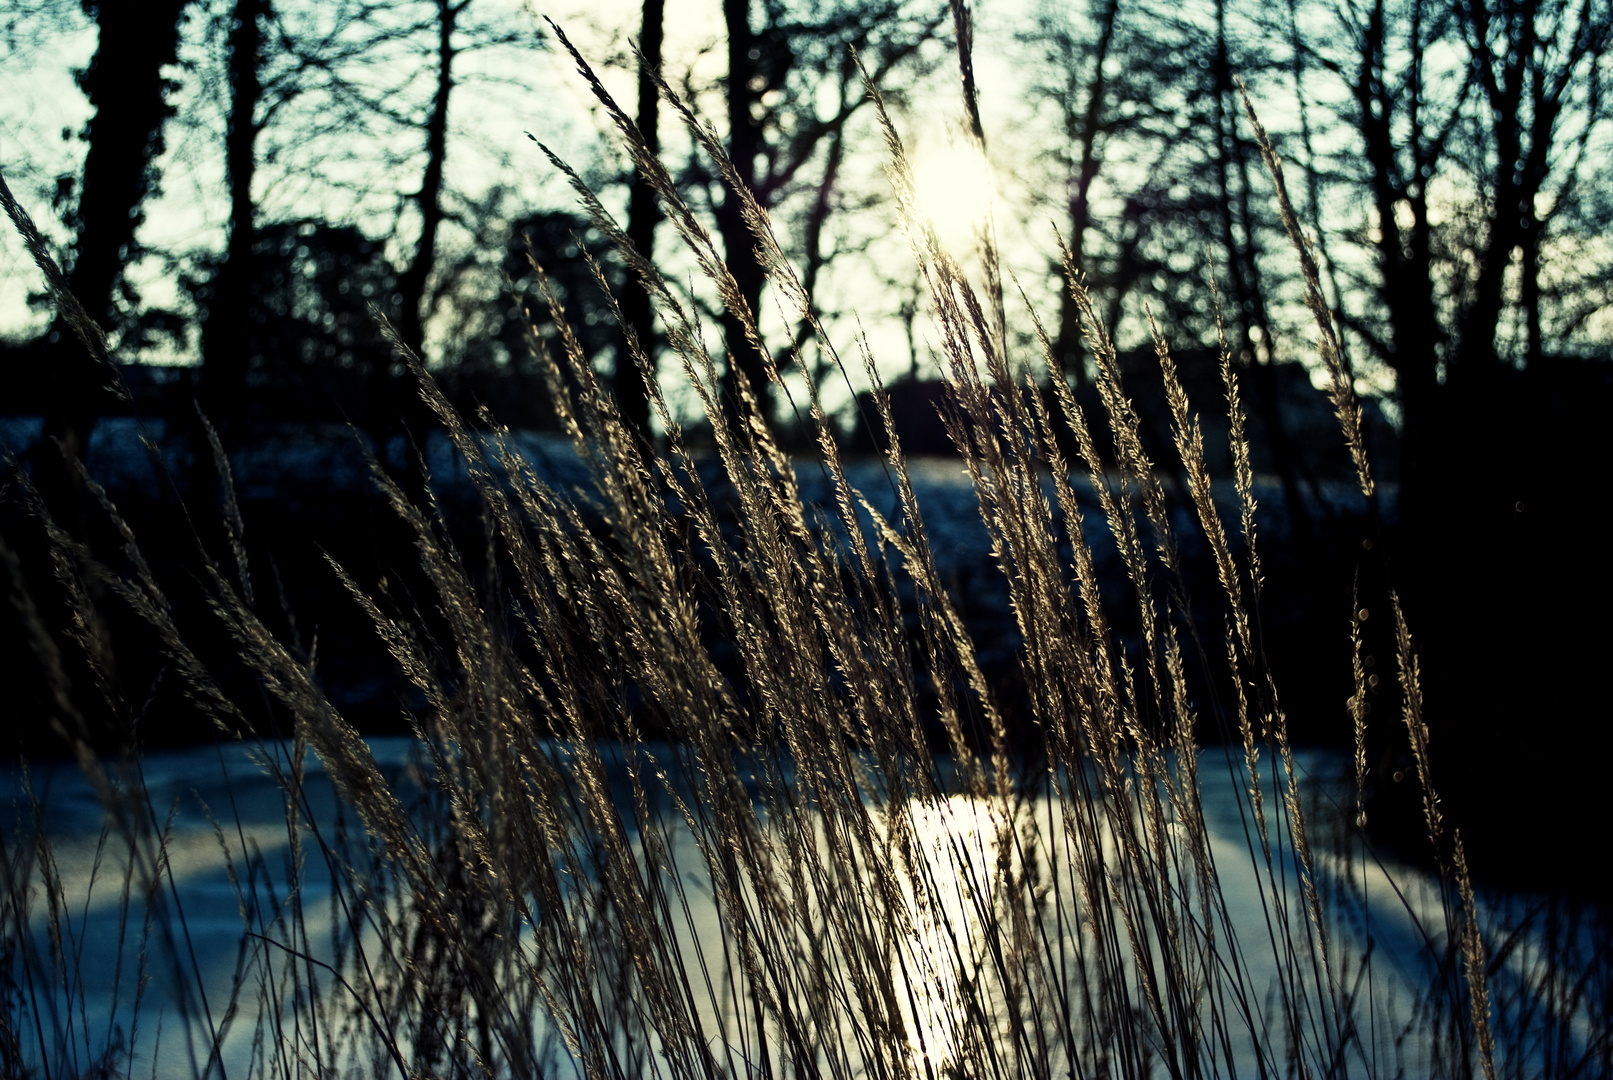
{"points": [[1107, 118]]}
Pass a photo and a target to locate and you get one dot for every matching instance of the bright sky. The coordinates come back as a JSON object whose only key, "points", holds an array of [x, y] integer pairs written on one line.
{"points": [[503, 94]]}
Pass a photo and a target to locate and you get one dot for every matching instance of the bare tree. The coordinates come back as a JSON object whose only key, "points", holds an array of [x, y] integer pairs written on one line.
{"points": [[1080, 88], [1470, 99], [226, 333], [632, 394], [129, 92], [428, 199], [776, 131], [1534, 64], [1473, 123]]}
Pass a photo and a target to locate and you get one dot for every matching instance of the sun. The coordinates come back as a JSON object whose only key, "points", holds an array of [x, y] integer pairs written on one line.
{"points": [[955, 190]]}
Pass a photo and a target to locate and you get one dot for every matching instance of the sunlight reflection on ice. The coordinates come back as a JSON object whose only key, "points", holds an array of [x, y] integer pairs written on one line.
{"points": [[971, 872]]}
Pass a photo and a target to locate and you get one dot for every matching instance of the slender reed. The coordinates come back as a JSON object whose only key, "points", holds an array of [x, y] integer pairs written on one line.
{"points": [[710, 783]]}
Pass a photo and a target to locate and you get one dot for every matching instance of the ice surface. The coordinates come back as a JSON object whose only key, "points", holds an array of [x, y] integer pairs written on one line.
{"points": [[230, 869]]}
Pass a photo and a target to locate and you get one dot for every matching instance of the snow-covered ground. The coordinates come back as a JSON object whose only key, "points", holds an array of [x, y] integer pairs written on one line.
{"points": [[163, 964], [286, 462]]}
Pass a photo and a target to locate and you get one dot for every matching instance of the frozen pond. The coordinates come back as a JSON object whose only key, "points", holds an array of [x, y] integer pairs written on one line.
{"points": [[184, 968]]}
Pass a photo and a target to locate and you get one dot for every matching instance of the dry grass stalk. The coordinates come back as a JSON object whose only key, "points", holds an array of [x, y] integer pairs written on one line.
{"points": [[1341, 383], [1473, 964], [71, 311], [1411, 690], [895, 894], [1358, 704]]}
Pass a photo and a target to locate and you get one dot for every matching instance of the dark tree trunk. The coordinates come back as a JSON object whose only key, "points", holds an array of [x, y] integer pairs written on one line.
{"points": [[395, 401], [1534, 345], [1406, 284], [226, 335], [771, 138], [1250, 321], [125, 86], [632, 390], [739, 244], [1083, 131], [814, 258], [412, 282]]}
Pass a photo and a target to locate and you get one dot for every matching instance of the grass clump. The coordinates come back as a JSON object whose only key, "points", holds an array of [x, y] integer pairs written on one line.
{"points": [[707, 783]]}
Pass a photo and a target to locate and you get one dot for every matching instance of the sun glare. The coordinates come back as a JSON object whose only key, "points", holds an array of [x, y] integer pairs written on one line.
{"points": [[957, 843], [954, 187]]}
